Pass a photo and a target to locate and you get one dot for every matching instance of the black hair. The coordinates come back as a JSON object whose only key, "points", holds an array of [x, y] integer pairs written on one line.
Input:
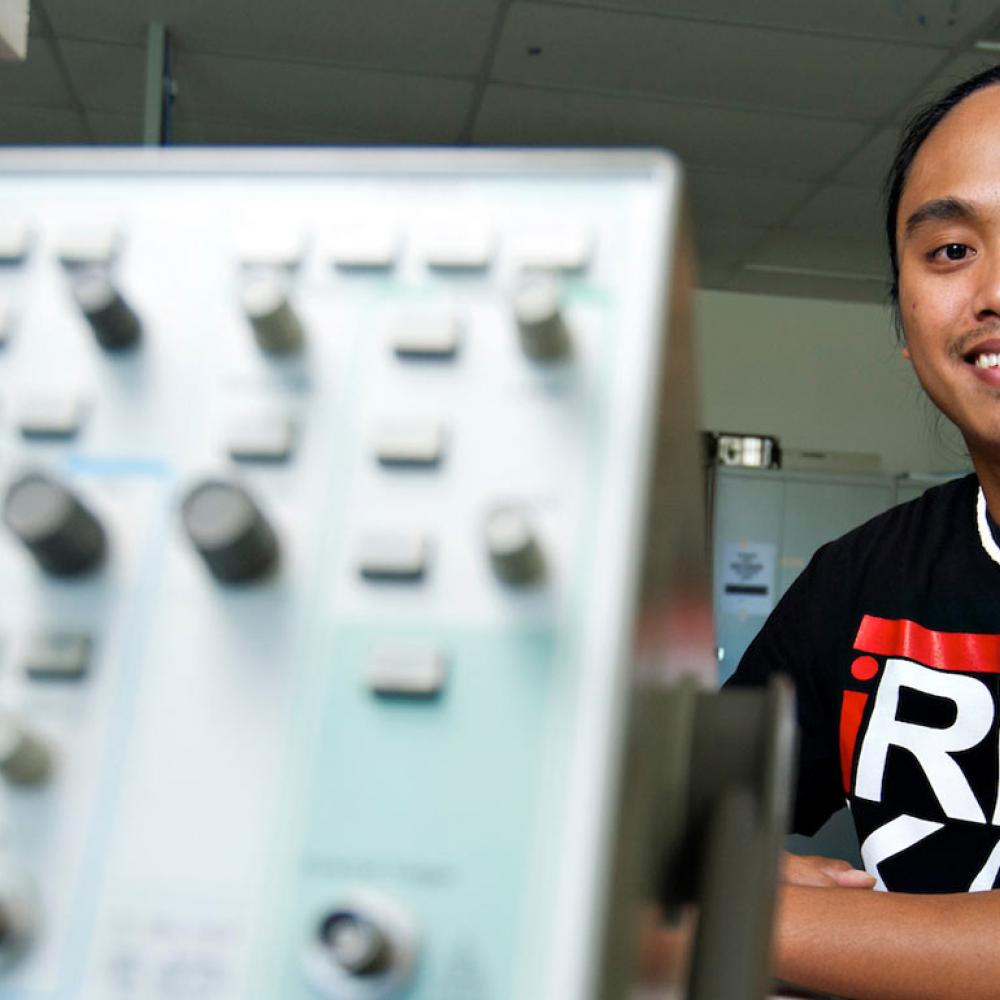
{"points": [[917, 129]]}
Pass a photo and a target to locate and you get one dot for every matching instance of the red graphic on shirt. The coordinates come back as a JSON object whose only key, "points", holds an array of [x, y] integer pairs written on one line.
{"points": [[966, 652]]}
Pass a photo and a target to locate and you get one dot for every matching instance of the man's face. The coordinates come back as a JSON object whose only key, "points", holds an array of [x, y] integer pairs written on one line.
{"points": [[948, 240]]}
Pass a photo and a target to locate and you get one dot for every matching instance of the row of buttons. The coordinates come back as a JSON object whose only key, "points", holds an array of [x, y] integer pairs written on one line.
{"points": [[464, 247], [252, 435]]}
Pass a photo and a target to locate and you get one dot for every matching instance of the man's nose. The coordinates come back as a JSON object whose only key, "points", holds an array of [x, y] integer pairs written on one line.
{"points": [[987, 291]]}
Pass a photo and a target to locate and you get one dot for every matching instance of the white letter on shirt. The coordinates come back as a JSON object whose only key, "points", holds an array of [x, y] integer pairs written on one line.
{"points": [[931, 746]]}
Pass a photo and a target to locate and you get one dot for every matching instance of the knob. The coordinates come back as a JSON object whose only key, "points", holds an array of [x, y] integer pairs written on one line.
{"points": [[17, 914], [115, 324], [537, 304], [515, 555], [229, 532], [355, 943], [364, 946], [276, 327], [25, 758], [65, 538]]}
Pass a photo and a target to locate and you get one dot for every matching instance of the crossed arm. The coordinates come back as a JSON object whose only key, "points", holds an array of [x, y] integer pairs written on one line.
{"points": [[836, 936]]}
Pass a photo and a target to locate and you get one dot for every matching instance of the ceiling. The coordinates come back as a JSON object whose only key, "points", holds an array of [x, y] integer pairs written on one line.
{"points": [[785, 112]]}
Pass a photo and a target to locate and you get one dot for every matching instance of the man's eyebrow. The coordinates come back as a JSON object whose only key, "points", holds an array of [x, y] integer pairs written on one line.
{"points": [[939, 210]]}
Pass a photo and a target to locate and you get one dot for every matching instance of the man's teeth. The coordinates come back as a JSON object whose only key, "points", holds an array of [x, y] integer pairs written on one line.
{"points": [[988, 360]]}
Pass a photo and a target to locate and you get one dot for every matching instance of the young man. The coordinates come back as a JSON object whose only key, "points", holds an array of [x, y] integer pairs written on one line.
{"points": [[892, 633]]}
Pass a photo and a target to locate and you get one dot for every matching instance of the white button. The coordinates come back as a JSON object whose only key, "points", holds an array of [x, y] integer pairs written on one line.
{"points": [[6, 319], [557, 248], [58, 656], [361, 246], [460, 248], [406, 671], [269, 244], [425, 334], [393, 555], [260, 436], [14, 239], [84, 244], [413, 442], [50, 415]]}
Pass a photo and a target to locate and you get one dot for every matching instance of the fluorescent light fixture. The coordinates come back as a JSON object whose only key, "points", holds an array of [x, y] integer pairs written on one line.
{"points": [[811, 272], [13, 29], [987, 45]]}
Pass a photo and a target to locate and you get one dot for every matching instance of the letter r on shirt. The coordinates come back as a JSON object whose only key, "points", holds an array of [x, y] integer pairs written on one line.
{"points": [[931, 746]]}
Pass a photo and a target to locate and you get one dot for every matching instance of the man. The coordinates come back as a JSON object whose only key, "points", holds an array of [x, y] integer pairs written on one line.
{"points": [[892, 633]]}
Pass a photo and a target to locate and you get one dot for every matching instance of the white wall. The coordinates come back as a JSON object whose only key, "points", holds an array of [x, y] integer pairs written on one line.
{"points": [[820, 376]]}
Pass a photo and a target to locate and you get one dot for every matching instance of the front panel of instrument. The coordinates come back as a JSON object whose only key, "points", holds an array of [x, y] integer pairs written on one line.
{"points": [[323, 482]]}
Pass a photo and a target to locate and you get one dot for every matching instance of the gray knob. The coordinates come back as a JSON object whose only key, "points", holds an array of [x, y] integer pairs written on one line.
{"points": [[18, 916], [355, 943], [276, 327], [515, 554], [537, 305], [115, 324], [229, 532], [65, 538], [25, 758]]}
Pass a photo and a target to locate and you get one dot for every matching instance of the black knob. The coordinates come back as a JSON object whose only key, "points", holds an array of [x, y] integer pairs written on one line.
{"points": [[60, 532], [115, 324], [355, 943], [229, 531]]}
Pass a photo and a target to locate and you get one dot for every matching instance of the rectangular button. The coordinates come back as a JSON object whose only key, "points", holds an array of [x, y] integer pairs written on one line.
{"points": [[87, 243], [413, 442], [266, 244], [406, 671], [58, 656], [393, 555], [14, 239], [425, 335], [558, 248], [6, 319], [362, 246], [461, 248], [260, 437], [50, 416]]}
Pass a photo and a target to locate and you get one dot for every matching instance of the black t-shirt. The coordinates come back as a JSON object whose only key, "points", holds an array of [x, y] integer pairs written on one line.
{"points": [[892, 637]]}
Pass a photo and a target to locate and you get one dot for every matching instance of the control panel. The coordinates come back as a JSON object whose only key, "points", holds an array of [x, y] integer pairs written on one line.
{"points": [[327, 482]]}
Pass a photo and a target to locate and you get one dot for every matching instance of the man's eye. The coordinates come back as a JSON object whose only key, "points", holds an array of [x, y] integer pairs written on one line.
{"points": [[951, 251]]}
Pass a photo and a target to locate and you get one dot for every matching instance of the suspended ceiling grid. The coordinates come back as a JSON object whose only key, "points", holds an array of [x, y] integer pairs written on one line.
{"points": [[784, 111]]}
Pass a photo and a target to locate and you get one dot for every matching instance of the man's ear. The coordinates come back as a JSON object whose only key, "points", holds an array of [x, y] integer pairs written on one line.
{"points": [[905, 352]]}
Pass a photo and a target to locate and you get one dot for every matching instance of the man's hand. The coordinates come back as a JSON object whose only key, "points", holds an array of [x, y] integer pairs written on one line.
{"points": [[811, 869]]}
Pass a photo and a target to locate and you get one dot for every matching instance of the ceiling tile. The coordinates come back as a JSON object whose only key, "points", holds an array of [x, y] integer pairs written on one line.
{"points": [[106, 77], [742, 198], [724, 245], [115, 128], [30, 126], [35, 81], [936, 23], [224, 132], [842, 210], [272, 95], [424, 36], [786, 146], [954, 72], [588, 49], [871, 162]]}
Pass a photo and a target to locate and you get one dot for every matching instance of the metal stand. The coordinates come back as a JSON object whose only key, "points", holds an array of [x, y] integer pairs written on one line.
{"points": [[159, 88]]}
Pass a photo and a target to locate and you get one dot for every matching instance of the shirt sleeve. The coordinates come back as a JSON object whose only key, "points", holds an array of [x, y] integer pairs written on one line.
{"points": [[796, 641]]}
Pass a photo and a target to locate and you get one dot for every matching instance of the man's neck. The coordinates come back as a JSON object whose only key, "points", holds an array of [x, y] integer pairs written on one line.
{"points": [[988, 472]]}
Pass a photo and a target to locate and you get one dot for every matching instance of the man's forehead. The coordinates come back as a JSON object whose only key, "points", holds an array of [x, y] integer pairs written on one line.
{"points": [[960, 159]]}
